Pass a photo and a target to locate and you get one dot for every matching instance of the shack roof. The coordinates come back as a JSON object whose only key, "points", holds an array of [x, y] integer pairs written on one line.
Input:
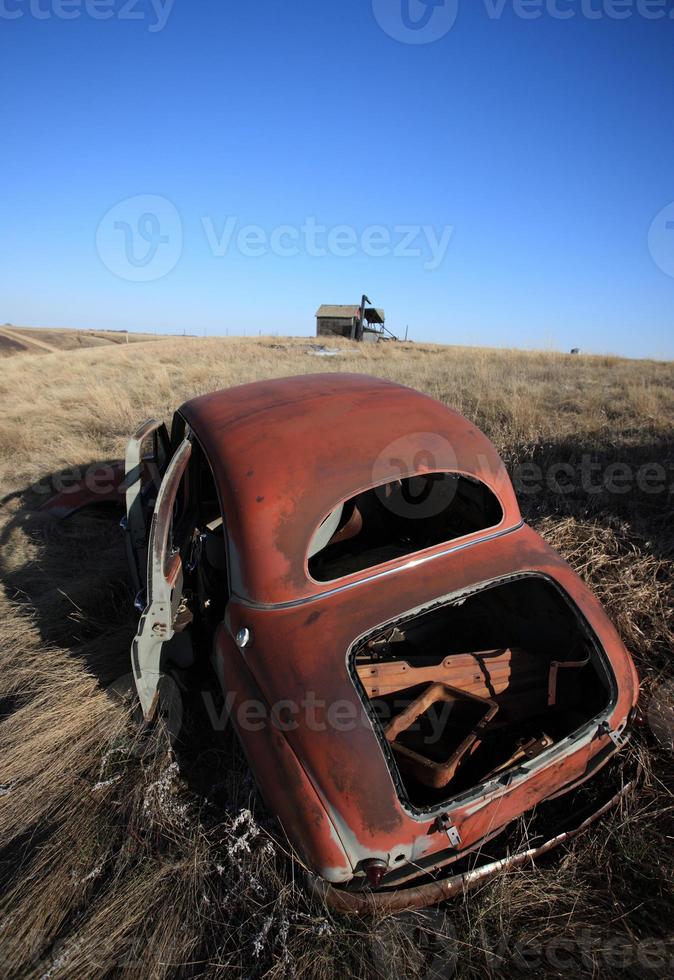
{"points": [[373, 314], [340, 312]]}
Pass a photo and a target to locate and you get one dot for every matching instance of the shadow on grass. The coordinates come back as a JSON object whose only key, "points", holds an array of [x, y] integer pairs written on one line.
{"points": [[71, 579], [626, 482]]}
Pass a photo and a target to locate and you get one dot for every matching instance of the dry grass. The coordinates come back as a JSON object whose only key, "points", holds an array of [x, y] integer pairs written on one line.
{"points": [[47, 340], [121, 859]]}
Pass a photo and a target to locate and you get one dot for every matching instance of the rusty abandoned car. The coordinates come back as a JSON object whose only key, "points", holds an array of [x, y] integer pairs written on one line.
{"points": [[425, 668]]}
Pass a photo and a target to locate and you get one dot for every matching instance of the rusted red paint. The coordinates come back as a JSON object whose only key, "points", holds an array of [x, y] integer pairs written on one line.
{"points": [[429, 771], [433, 892], [284, 453], [481, 673], [292, 654]]}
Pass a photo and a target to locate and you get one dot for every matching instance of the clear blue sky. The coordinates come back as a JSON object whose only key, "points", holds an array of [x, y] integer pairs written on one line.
{"points": [[542, 147]]}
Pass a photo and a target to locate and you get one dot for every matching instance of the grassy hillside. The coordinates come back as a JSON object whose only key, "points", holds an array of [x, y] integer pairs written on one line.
{"points": [[122, 858], [47, 340]]}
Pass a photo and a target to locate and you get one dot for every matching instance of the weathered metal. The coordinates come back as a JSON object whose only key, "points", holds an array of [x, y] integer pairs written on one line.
{"points": [[304, 648], [287, 456], [432, 892], [157, 624], [282, 464], [135, 474], [285, 452], [482, 673], [429, 771]]}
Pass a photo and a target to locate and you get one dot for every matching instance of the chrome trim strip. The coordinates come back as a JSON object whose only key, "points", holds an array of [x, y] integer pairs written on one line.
{"points": [[414, 563]]}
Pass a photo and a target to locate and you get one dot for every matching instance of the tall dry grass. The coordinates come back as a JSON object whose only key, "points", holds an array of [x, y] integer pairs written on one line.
{"points": [[123, 857]]}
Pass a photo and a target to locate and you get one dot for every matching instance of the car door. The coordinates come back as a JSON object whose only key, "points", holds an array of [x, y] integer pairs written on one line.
{"points": [[164, 592], [142, 477]]}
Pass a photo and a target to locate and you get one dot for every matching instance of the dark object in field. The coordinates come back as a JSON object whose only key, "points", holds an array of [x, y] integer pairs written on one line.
{"points": [[410, 667]]}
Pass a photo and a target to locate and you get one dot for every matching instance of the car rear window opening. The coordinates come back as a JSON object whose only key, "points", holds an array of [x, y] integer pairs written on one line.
{"points": [[400, 518]]}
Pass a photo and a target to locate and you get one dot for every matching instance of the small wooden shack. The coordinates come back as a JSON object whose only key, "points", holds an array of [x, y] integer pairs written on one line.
{"points": [[356, 322]]}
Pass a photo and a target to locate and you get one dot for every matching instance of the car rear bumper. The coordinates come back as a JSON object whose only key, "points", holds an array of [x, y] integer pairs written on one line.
{"points": [[477, 868]]}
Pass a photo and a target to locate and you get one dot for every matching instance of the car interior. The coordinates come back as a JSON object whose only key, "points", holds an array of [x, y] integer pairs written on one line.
{"points": [[480, 686], [400, 518], [197, 532]]}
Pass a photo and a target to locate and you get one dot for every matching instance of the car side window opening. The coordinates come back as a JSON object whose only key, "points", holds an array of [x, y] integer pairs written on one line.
{"points": [[400, 518]]}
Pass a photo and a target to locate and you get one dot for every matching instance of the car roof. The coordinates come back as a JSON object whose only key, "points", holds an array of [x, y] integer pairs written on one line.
{"points": [[287, 451]]}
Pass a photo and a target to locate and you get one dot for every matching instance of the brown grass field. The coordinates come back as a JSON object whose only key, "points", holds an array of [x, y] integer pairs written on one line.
{"points": [[121, 857], [47, 340]]}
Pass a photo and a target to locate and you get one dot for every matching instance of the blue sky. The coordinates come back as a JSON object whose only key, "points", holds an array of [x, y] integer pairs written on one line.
{"points": [[506, 184]]}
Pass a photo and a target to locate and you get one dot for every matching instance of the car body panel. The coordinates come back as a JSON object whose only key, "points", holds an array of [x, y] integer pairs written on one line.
{"points": [[290, 794], [284, 453], [164, 589], [304, 648]]}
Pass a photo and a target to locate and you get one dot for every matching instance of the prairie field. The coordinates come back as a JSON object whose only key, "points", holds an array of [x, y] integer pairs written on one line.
{"points": [[126, 857], [47, 340]]}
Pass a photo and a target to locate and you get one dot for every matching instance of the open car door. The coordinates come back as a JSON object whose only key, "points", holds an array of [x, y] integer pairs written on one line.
{"points": [[164, 586], [141, 478]]}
